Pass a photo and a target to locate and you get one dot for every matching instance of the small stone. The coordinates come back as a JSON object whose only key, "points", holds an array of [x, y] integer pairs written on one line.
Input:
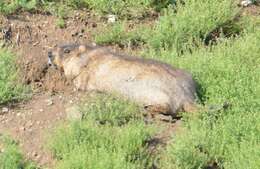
{"points": [[111, 18], [246, 3], [22, 128], [49, 102], [41, 110], [5, 110]]}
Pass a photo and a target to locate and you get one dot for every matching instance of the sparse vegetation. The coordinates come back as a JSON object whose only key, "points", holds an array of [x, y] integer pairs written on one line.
{"points": [[10, 6], [181, 27], [10, 155], [129, 8], [118, 34], [112, 135], [227, 72], [192, 22], [10, 87]]}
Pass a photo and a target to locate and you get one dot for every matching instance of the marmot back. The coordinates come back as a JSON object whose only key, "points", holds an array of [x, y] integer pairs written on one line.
{"points": [[155, 85]]}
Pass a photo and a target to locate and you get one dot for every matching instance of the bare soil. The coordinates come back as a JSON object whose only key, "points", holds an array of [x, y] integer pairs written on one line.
{"points": [[32, 36]]}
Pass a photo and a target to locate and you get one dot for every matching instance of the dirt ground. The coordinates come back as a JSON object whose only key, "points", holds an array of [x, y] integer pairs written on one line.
{"points": [[31, 37]]}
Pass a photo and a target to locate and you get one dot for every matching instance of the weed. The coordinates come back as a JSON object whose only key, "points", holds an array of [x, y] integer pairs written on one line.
{"points": [[10, 87], [189, 23], [119, 34], [10, 155], [228, 72], [110, 109], [61, 23], [110, 136], [120, 8], [12, 6]]}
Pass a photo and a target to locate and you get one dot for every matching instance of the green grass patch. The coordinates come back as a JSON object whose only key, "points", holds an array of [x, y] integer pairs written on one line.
{"points": [[10, 155], [110, 109], [8, 7], [228, 72], [180, 28], [127, 8], [190, 23], [112, 134], [123, 9], [119, 34], [11, 89]]}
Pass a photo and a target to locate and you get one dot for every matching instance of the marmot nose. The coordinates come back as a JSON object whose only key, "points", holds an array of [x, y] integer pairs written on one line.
{"points": [[49, 62]]}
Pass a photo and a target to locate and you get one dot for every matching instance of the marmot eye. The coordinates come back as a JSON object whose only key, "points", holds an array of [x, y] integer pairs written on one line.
{"points": [[66, 50]]}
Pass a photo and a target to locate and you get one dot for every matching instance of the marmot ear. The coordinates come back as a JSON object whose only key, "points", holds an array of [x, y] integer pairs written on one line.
{"points": [[82, 48]]}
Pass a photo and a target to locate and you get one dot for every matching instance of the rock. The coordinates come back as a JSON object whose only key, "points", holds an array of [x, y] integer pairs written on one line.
{"points": [[111, 18], [4, 111], [41, 110], [49, 102], [73, 113], [22, 128], [246, 3]]}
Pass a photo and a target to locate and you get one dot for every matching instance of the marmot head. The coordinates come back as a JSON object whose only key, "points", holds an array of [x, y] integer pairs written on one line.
{"points": [[61, 53]]}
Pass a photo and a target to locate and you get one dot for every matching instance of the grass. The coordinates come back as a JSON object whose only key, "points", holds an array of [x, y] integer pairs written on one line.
{"points": [[119, 34], [228, 72], [10, 155], [189, 23], [111, 135], [180, 27], [10, 87], [123, 9], [8, 7]]}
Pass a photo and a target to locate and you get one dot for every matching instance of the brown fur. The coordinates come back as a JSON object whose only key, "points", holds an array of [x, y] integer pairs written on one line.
{"points": [[159, 87]]}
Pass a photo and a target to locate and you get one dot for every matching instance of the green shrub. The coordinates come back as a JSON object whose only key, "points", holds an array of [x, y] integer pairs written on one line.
{"points": [[11, 6], [111, 135], [10, 87], [229, 72]]}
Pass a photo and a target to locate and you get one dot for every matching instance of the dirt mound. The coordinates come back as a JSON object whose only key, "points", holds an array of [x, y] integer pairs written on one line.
{"points": [[33, 35]]}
